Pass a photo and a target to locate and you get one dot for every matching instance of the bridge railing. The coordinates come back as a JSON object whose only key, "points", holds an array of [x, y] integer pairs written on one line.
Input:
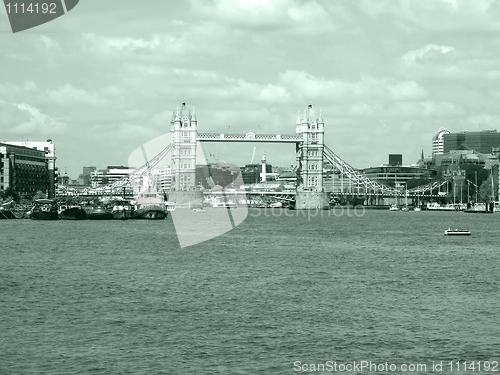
{"points": [[354, 176], [249, 137], [364, 185], [138, 173]]}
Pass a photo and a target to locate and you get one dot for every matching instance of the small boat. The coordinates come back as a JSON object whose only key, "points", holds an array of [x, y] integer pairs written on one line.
{"points": [[417, 209], [405, 209], [150, 213], [99, 213], [150, 205], [170, 206], [6, 211], [72, 213], [227, 204], [393, 208], [199, 210], [122, 210], [44, 209], [456, 232]]}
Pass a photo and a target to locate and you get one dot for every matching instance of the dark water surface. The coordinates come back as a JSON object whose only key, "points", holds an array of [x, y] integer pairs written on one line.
{"points": [[121, 297]]}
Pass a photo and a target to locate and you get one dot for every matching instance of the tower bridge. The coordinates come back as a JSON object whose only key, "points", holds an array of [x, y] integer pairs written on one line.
{"points": [[312, 156]]}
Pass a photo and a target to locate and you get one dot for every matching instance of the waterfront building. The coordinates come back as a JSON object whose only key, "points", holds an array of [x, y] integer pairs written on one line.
{"points": [[288, 177], [49, 150], [394, 174], [251, 173], [465, 156], [395, 159], [84, 178], [116, 173], [109, 175], [438, 141], [215, 174], [63, 180], [26, 169], [163, 179], [480, 141], [98, 178]]}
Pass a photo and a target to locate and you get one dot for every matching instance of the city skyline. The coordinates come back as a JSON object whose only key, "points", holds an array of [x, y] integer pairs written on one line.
{"points": [[105, 78]]}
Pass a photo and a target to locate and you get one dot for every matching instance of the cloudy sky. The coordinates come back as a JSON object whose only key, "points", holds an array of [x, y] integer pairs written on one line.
{"points": [[104, 78]]}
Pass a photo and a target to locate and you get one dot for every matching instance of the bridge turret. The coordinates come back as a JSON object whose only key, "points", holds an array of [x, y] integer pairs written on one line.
{"points": [[321, 123], [172, 121], [193, 118], [298, 124]]}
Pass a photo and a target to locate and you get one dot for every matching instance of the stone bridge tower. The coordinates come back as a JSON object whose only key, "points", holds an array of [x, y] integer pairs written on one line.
{"points": [[310, 192], [183, 132]]}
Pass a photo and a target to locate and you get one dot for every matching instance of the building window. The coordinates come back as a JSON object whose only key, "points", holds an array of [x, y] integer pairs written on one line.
{"points": [[312, 181]]}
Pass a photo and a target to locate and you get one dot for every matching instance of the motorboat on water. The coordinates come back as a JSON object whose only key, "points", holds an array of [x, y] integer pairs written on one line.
{"points": [[72, 212], [227, 204], [44, 209], [417, 209], [122, 210], [394, 208], [150, 205], [456, 232], [199, 210], [6, 211], [99, 213]]}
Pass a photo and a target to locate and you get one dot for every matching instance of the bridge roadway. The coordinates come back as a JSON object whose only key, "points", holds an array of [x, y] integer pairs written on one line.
{"points": [[261, 193], [335, 193], [250, 137]]}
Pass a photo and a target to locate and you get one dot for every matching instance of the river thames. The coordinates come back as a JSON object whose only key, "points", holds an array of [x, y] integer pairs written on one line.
{"points": [[122, 297]]}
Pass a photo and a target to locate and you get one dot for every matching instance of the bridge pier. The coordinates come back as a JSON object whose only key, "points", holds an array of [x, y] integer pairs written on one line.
{"points": [[311, 200], [186, 199]]}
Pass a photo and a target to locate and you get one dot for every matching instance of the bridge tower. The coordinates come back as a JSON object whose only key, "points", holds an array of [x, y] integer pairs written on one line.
{"points": [[183, 132], [310, 192]]}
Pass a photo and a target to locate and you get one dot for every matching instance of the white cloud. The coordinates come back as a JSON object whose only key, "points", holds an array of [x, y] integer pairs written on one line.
{"points": [[48, 42], [25, 119], [107, 45], [430, 51], [367, 87], [274, 94], [306, 17], [68, 94]]}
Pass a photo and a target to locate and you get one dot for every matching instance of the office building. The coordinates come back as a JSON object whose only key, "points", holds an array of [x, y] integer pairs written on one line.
{"points": [[216, 174], [482, 142], [395, 159], [251, 173], [390, 174], [438, 141], [109, 175], [49, 151], [24, 169]]}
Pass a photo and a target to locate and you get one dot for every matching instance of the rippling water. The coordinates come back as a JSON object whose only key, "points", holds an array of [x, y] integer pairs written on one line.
{"points": [[121, 297]]}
